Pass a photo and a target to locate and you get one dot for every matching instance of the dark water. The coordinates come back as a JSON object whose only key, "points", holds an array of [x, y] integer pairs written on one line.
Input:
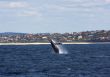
{"points": [[38, 61]]}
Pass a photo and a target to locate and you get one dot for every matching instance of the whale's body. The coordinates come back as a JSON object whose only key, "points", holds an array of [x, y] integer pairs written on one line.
{"points": [[55, 45]]}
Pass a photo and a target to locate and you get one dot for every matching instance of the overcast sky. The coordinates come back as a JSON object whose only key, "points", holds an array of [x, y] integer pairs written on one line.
{"points": [[39, 16]]}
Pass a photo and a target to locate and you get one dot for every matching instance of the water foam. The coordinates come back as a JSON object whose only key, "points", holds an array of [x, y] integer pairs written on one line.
{"points": [[62, 50]]}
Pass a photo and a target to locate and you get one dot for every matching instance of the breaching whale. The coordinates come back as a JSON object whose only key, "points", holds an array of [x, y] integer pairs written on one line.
{"points": [[55, 45]]}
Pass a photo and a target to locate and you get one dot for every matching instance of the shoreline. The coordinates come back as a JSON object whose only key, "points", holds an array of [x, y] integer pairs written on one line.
{"points": [[39, 43]]}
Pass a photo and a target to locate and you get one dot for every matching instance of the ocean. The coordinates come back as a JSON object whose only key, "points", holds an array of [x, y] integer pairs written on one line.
{"points": [[82, 60]]}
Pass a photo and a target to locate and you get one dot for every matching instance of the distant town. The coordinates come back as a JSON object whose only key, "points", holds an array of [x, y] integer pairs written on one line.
{"points": [[85, 36]]}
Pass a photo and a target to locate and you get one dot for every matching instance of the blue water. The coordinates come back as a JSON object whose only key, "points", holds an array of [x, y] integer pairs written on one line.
{"points": [[39, 61]]}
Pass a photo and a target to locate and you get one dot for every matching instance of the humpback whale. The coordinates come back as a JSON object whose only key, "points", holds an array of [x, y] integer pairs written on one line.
{"points": [[55, 45]]}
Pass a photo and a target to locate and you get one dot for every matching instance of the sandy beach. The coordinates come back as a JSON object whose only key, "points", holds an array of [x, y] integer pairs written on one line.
{"points": [[38, 43], [23, 43]]}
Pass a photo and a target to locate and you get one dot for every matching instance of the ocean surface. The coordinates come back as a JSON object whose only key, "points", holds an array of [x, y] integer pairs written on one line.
{"points": [[86, 60]]}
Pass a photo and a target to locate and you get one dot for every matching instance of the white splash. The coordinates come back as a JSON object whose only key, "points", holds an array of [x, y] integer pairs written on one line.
{"points": [[62, 50]]}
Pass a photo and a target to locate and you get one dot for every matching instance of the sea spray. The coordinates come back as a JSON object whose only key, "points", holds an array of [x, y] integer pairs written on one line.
{"points": [[62, 50]]}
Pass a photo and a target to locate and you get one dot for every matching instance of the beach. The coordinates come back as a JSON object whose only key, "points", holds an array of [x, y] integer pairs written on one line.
{"points": [[39, 43]]}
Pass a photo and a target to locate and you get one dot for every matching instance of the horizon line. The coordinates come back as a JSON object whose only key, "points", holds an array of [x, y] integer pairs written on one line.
{"points": [[51, 32]]}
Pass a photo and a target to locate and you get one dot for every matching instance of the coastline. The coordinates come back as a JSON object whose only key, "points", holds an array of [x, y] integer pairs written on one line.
{"points": [[39, 43], [23, 43]]}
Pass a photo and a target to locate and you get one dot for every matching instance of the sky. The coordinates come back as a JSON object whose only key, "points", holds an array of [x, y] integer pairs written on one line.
{"points": [[49, 16]]}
